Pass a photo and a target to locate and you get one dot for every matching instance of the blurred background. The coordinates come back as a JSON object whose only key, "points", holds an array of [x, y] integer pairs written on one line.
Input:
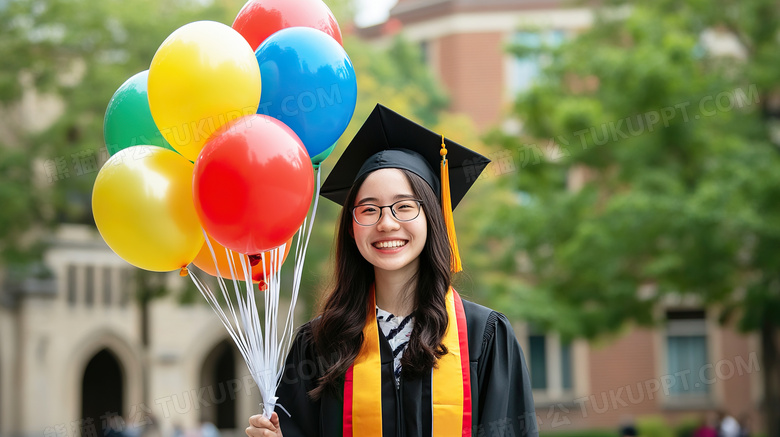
{"points": [[629, 223]]}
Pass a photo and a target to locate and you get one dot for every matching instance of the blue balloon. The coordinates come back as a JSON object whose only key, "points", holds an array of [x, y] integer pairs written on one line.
{"points": [[309, 84]]}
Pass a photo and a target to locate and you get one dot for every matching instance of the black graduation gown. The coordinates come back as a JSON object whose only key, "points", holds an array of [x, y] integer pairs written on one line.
{"points": [[502, 404]]}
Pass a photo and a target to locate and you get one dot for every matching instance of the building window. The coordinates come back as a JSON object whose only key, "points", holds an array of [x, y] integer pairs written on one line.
{"points": [[89, 286], [128, 281], [538, 361], [524, 69], [425, 55], [686, 352], [550, 364], [107, 288], [566, 366], [72, 289]]}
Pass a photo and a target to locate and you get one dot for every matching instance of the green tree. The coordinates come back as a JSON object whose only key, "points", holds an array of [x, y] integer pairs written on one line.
{"points": [[672, 138], [71, 55]]}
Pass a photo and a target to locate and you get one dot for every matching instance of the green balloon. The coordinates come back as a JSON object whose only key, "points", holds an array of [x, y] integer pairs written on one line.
{"points": [[317, 160], [128, 120]]}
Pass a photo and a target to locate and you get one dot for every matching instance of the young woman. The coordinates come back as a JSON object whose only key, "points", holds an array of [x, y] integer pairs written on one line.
{"points": [[396, 351]]}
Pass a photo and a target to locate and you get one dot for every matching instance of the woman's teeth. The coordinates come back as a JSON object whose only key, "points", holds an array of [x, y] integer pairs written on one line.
{"points": [[389, 244]]}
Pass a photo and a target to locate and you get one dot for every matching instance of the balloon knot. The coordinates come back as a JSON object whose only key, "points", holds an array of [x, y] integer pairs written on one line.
{"points": [[183, 272], [254, 259], [262, 285]]}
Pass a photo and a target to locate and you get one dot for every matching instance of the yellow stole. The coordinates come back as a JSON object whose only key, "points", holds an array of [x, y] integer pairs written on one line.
{"points": [[451, 382]]}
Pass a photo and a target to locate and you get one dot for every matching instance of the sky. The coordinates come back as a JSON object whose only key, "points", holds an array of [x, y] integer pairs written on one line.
{"points": [[371, 12]]}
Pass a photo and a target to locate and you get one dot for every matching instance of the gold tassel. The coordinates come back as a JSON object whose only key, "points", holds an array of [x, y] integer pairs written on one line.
{"points": [[446, 206]]}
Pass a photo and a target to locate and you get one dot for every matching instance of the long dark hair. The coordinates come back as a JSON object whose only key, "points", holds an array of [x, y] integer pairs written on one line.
{"points": [[338, 334]]}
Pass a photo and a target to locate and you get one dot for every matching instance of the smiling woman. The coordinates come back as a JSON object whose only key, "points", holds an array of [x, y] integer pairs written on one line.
{"points": [[395, 350]]}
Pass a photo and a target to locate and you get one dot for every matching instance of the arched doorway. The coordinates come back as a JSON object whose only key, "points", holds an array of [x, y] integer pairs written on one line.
{"points": [[102, 390], [218, 376]]}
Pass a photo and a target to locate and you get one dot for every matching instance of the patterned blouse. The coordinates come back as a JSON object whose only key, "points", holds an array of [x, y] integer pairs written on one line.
{"points": [[397, 332]]}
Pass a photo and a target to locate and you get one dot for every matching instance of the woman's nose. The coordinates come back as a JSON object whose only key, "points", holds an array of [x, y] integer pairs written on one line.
{"points": [[387, 222]]}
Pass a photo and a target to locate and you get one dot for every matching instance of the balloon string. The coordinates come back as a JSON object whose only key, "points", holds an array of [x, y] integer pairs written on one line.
{"points": [[264, 354], [300, 257], [222, 286]]}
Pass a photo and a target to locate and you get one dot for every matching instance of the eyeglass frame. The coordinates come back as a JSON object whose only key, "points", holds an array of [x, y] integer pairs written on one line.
{"points": [[392, 211]]}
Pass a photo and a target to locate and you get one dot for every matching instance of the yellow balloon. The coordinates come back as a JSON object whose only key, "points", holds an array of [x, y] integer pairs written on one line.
{"points": [[143, 207], [203, 75]]}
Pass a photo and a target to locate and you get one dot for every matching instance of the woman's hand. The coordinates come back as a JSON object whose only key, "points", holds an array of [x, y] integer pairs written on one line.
{"points": [[259, 426]]}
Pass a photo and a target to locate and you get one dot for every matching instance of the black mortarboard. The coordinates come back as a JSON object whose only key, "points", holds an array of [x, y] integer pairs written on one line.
{"points": [[389, 140]]}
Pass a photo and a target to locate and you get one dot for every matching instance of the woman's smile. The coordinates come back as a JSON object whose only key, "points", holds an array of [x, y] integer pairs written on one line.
{"points": [[389, 244]]}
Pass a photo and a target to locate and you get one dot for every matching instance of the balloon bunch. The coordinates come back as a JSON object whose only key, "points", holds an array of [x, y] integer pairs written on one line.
{"points": [[214, 151]]}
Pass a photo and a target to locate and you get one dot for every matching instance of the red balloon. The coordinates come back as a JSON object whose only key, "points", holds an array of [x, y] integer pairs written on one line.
{"points": [[253, 184], [259, 19]]}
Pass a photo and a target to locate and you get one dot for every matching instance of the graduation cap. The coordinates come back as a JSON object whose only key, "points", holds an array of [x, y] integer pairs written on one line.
{"points": [[390, 140]]}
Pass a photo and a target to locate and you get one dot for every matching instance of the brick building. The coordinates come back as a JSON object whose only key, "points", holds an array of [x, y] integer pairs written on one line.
{"points": [[690, 367], [464, 43]]}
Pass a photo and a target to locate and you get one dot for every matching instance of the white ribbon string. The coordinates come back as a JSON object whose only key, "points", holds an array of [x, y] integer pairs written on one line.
{"points": [[261, 344]]}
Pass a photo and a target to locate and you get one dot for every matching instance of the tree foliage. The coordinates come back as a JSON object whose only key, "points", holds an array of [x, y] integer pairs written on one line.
{"points": [[664, 178], [62, 61], [674, 141]]}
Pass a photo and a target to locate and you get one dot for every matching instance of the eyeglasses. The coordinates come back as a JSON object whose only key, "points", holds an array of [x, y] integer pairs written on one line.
{"points": [[369, 214]]}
